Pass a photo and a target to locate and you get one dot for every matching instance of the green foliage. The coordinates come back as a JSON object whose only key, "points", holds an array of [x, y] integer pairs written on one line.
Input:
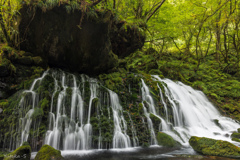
{"points": [[37, 113]]}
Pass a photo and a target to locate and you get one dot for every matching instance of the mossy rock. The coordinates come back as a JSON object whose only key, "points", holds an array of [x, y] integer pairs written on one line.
{"points": [[238, 130], [235, 135], [236, 139], [166, 140], [38, 61], [21, 153], [48, 153], [208, 146], [155, 72], [156, 120], [25, 60]]}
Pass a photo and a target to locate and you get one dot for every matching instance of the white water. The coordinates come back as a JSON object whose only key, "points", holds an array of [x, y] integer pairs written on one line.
{"points": [[194, 114], [186, 112], [77, 134]]}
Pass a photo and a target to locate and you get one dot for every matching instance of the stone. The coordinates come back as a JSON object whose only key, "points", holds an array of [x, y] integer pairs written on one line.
{"points": [[212, 147], [91, 46], [38, 61], [25, 60], [235, 135], [238, 130], [4, 71], [57, 37], [21, 153], [48, 153], [166, 140]]}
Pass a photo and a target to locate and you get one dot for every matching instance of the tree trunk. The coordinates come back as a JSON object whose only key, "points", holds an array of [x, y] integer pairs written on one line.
{"points": [[5, 31]]}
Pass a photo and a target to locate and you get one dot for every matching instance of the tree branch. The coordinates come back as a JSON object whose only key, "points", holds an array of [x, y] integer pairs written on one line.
{"points": [[96, 3], [155, 10]]}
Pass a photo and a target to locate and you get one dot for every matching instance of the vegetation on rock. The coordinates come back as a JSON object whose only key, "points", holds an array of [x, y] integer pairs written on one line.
{"points": [[214, 147], [48, 153], [166, 140], [21, 153]]}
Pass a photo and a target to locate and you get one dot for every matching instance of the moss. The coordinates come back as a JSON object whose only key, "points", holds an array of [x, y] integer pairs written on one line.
{"points": [[166, 140], [44, 103], [235, 135], [216, 121], [48, 153], [155, 119], [69, 91], [145, 145], [4, 104], [155, 72], [236, 139], [21, 153], [208, 146], [38, 61], [37, 113]]}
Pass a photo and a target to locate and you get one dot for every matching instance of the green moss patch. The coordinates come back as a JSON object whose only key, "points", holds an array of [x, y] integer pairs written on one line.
{"points": [[166, 140], [214, 147], [48, 153], [21, 153]]}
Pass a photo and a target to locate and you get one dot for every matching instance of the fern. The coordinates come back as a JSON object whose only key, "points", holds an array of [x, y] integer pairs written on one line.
{"points": [[68, 9], [92, 14]]}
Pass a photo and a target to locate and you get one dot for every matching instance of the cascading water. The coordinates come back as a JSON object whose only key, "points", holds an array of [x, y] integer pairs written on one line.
{"points": [[193, 114], [83, 114]]}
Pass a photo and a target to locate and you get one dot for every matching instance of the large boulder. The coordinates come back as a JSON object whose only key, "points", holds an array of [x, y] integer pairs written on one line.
{"points": [[81, 41], [21, 153], [166, 140], [208, 146], [48, 153], [67, 42]]}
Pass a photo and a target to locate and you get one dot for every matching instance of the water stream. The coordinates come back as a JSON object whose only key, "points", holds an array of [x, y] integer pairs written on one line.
{"points": [[83, 114]]}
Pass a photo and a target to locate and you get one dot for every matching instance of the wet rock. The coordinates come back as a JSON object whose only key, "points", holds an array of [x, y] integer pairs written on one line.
{"points": [[91, 46], [25, 60], [4, 71], [166, 140], [38, 61], [235, 135], [227, 135], [238, 130], [126, 39], [56, 36], [21, 153], [208, 146], [216, 121], [236, 139], [48, 153], [216, 133]]}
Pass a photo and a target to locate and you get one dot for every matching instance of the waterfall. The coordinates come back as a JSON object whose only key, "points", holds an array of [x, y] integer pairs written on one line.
{"points": [[83, 114], [194, 114]]}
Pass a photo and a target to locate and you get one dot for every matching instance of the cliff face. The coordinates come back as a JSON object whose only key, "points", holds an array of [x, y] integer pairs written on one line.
{"points": [[79, 41]]}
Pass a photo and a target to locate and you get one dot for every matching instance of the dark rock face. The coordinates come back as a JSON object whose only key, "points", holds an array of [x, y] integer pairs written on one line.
{"points": [[77, 41], [126, 39], [3, 71], [59, 38]]}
